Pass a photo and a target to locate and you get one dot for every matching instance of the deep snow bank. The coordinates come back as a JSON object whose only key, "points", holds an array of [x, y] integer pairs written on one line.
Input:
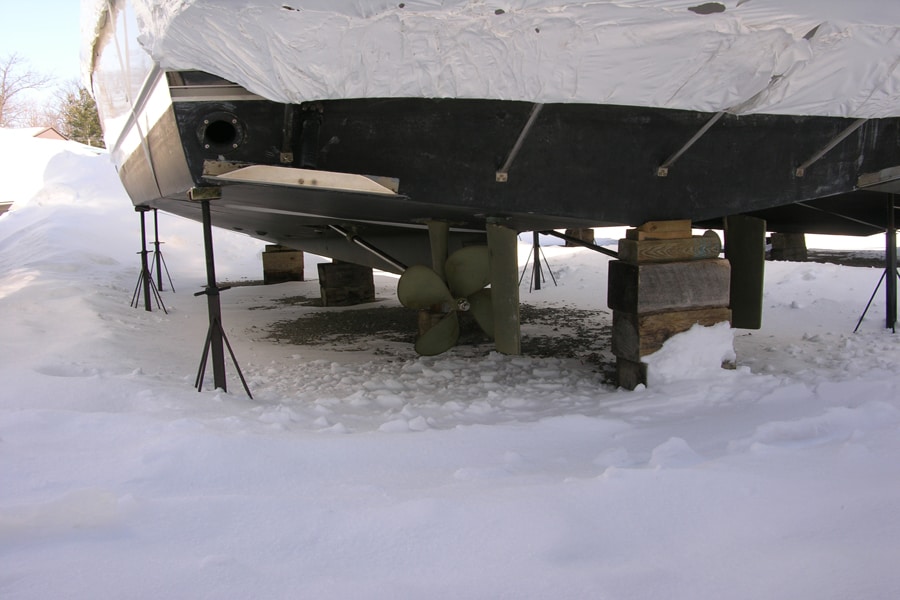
{"points": [[378, 474]]}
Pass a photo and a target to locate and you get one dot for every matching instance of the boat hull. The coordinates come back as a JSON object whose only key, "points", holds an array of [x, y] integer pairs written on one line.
{"points": [[577, 166], [469, 161]]}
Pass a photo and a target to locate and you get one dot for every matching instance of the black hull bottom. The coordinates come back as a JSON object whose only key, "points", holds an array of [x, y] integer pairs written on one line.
{"points": [[468, 162]]}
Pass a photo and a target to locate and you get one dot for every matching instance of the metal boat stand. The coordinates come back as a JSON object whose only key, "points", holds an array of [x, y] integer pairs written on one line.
{"points": [[145, 280], [537, 274], [215, 337], [159, 262], [890, 269]]}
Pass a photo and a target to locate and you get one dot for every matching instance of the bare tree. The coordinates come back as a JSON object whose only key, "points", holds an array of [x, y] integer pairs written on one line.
{"points": [[15, 78], [40, 115]]}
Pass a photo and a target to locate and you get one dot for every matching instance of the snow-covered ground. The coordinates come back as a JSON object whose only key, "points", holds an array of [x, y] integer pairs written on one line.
{"points": [[377, 474]]}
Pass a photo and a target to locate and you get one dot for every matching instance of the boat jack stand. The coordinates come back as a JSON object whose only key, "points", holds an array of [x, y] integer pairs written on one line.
{"points": [[890, 269], [145, 280], [159, 261], [216, 334], [537, 274]]}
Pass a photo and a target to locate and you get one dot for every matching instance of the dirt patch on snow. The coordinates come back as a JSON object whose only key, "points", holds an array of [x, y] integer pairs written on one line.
{"points": [[546, 332]]}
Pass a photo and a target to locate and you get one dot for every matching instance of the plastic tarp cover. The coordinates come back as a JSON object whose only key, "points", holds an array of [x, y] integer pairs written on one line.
{"points": [[802, 57]]}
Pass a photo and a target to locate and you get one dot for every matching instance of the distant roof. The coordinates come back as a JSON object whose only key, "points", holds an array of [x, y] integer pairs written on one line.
{"points": [[47, 133]]}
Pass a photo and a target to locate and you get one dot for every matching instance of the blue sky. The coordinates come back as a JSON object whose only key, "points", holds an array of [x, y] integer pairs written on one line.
{"points": [[46, 33]]}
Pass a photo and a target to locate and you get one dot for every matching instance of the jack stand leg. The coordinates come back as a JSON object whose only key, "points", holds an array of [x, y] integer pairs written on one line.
{"points": [[504, 288], [890, 269], [215, 337], [145, 274], [537, 274], [547, 262], [869, 303], [145, 281], [890, 258], [525, 268], [536, 271], [158, 258]]}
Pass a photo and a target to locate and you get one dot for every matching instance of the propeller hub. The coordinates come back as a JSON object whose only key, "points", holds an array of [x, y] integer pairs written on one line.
{"points": [[462, 304]]}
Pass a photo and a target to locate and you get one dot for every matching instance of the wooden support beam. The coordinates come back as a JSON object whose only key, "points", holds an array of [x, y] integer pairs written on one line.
{"points": [[345, 284], [635, 336], [658, 287], [630, 373], [745, 249], [665, 281], [694, 248], [502, 242], [660, 230], [789, 246], [282, 264]]}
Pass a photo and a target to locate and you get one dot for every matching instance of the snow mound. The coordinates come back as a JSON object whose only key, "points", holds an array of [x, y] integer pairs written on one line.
{"points": [[698, 353], [379, 474]]}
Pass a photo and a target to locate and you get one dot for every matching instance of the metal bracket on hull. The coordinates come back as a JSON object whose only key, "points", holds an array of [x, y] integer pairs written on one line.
{"points": [[801, 170], [663, 169], [502, 175]]}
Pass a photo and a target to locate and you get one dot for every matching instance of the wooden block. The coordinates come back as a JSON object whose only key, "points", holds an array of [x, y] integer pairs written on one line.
{"points": [[657, 287], [630, 374], [683, 225], [583, 234], [635, 336], [345, 284], [660, 230], [695, 248], [789, 246], [282, 264]]}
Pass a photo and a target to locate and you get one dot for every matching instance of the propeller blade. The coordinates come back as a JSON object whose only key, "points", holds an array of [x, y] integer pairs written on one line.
{"points": [[468, 270], [481, 307], [420, 287], [439, 338]]}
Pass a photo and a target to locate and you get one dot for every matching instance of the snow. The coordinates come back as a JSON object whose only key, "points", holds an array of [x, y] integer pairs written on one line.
{"points": [[803, 57], [698, 353], [374, 473]]}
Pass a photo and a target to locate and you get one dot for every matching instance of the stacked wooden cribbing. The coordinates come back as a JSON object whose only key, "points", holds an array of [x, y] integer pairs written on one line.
{"points": [[664, 282], [345, 284], [282, 264]]}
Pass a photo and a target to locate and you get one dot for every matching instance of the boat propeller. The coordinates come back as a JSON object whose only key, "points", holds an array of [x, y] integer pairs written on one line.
{"points": [[468, 275]]}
